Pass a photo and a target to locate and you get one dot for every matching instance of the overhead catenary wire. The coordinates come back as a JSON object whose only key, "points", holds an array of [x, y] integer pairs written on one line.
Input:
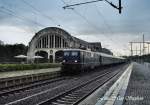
{"points": [[110, 29], [93, 25], [89, 22], [81, 3], [84, 18], [119, 8], [40, 12], [107, 25], [10, 12], [7, 13]]}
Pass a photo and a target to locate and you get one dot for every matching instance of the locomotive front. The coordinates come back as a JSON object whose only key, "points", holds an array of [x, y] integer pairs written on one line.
{"points": [[71, 61]]}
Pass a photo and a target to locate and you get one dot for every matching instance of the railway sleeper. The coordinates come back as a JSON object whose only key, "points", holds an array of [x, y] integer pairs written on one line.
{"points": [[64, 102], [3, 91], [82, 92], [55, 103], [71, 97], [68, 99], [74, 95], [4, 97]]}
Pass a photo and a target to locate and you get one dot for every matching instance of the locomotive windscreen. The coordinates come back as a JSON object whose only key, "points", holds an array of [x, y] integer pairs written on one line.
{"points": [[71, 53], [71, 56]]}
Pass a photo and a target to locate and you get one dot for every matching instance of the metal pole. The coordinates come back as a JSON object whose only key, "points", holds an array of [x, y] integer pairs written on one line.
{"points": [[136, 50], [131, 49], [143, 45], [148, 48], [120, 6], [140, 49]]}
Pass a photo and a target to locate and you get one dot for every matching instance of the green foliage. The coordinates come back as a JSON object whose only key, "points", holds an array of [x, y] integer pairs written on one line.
{"points": [[14, 67], [146, 58], [143, 58], [7, 52]]}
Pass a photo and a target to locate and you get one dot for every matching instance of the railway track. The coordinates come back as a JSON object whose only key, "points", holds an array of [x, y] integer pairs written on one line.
{"points": [[24, 80], [16, 89], [79, 87], [17, 92], [24, 87], [78, 93]]}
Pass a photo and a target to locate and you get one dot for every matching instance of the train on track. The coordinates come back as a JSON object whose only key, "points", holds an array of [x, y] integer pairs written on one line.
{"points": [[77, 60]]}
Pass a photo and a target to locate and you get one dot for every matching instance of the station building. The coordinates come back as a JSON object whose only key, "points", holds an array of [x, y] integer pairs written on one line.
{"points": [[49, 43]]}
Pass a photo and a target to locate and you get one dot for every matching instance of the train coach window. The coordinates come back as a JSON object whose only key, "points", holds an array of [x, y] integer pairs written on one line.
{"points": [[74, 54], [66, 53]]}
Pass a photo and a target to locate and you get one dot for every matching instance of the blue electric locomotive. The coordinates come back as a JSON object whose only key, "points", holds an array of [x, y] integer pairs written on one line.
{"points": [[77, 60]]}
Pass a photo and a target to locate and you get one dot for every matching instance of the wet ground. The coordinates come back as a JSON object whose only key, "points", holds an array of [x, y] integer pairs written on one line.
{"points": [[138, 91]]}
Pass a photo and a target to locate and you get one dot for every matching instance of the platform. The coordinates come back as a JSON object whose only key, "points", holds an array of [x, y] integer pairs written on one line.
{"points": [[138, 91], [116, 93], [100, 96], [132, 88], [10, 74], [13, 78]]}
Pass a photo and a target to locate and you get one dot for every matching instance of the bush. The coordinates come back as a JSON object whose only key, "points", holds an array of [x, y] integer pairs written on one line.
{"points": [[14, 67]]}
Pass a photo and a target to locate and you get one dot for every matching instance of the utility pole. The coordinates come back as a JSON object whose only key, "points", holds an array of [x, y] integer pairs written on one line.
{"points": [[144, 48], [120, 7], [143, 45], [140, 50], [148, 47], [136, 50], [131, 49]]}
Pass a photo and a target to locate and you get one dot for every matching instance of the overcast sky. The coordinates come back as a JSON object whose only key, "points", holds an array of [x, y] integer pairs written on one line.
{"points": [[96, 22]]}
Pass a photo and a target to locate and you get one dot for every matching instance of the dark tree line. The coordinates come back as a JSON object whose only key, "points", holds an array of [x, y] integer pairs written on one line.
{"points": [[7, 52], [136, 58]]}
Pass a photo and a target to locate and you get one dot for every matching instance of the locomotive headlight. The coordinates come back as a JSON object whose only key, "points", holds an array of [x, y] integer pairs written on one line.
{"points": [[64, 61], [75, 61]]}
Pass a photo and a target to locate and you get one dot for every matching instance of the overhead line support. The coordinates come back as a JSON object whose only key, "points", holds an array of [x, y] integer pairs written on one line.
{"points": [[67, 6], [113, 5]]}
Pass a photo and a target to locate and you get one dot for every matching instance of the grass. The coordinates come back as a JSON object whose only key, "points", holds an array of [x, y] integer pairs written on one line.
{"points": [[15, 67]]}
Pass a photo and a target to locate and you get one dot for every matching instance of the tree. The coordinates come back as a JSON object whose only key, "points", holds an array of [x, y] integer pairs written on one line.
{"points": [[7, 52]]}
